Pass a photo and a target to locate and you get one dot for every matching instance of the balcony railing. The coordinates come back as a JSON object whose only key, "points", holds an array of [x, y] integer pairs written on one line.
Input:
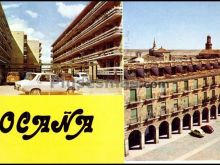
{"points": [[134, 121], [91, 42], [105, 17], [214, 98], [205, 101], [110, 71]]}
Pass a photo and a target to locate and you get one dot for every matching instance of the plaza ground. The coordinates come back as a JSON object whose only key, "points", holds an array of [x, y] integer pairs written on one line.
{"points": [[94, 89], [182, 147]]}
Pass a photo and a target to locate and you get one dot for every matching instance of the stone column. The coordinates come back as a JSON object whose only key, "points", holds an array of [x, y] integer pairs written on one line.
{"points": [[126, 147], [142, 140], [157, 135], [181, 126], [209, 114], [191, 122], [200, 119], [169, 130]]}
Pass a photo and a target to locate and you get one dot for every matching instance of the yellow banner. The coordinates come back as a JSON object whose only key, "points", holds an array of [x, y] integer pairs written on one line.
{"points": [[61, 129]]}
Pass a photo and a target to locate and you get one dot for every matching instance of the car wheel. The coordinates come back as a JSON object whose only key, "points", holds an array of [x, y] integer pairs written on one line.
{"points": [[35, 92], [70, 91]]}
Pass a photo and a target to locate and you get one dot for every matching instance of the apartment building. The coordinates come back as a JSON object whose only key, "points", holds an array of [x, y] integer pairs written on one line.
{"points": [[168, 97], [5, 44], [25, 53], [92, 42]]}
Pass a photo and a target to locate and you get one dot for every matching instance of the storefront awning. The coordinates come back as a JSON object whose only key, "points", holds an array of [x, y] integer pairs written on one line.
{"points": [[190, 68], [179, 68], [215, 65], [140, 72], [155, 71], [167, 69]]}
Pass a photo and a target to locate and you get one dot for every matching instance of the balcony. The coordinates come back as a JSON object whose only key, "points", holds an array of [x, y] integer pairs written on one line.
{"points": [[149, 100], [175, 94], [177, 110], [94, 41], [205, 101], [186, 108], [213, 85], [213, 99], [134, 122], [137, 100], [205, 87], [92, 28], [98, 55], [110, 71]]}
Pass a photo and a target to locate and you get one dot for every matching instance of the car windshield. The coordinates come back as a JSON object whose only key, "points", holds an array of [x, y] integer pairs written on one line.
{"points": [[30, 76]]}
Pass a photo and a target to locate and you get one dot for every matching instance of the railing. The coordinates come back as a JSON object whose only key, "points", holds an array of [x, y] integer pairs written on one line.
{"points": [[110, 71], [91, 42], [205, 101], [134, 121], [90, 28]]}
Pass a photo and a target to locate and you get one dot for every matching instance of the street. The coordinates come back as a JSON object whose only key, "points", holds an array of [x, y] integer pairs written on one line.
{"points": [[8, 90], [182, 147]]}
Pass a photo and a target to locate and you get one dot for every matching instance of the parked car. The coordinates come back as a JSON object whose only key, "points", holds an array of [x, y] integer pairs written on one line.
{"points": [[12, 77], [82, 78], [207, 129], [197, 133], [37, 83]]}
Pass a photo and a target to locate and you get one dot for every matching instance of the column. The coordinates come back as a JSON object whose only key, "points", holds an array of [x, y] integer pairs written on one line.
{"points": [[126, 146], [170, 131], [200, 119], [157, 135], [209, 114], [181, 126], [191, 122], [142, 140]]}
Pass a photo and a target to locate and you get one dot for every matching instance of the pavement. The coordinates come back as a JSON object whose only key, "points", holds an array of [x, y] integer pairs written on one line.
{"points": [[182, 147], [94, 89]]}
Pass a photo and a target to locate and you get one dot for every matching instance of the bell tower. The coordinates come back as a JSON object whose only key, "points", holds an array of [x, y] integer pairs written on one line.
{"points": [[208, 44]]}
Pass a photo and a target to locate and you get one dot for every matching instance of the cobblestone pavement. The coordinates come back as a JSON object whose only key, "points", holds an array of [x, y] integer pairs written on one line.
{"points": [[8, 90], [184, 147]]}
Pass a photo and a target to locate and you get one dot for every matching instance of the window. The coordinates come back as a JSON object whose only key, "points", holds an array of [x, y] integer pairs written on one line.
{"points": [[186, 85], [163, 108], [45, 78], [134, 115], [162, 89], [133, 95], [149, 93], [213, 80], [213, 93], [55, 78], [196, 84], [175, 88], [186, 101], [205, 95], [205, 81], [196, 99], [175, 104], [149, 111]]}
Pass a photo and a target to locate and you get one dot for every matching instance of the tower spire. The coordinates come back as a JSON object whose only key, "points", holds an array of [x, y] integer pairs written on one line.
{"points": [[154, 43]]}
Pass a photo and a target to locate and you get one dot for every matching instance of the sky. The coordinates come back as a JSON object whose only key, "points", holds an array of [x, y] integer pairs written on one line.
{"points": [[174, 25], [43, 21]]}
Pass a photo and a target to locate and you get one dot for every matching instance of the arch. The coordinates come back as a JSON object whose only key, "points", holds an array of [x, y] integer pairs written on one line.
{"points": [[196, 118], [205, 115], [176, 126], [134, 140], [164, 130], [187, 122], [150, 135], [213, 114]]}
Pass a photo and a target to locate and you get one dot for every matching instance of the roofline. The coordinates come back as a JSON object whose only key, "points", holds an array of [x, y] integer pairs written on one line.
{"points": [[74, 21]]}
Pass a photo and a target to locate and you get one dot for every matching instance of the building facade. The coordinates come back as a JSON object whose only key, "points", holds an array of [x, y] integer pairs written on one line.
{"points": [[92, 42], [167, 97], [5, 45], [25, 53]]}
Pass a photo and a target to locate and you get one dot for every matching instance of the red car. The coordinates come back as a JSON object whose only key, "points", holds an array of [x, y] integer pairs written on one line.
{"points": [[207, 129]]}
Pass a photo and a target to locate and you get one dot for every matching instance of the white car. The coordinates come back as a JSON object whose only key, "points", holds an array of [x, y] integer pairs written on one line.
{"points": [[37, 83], [82, 78]]}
